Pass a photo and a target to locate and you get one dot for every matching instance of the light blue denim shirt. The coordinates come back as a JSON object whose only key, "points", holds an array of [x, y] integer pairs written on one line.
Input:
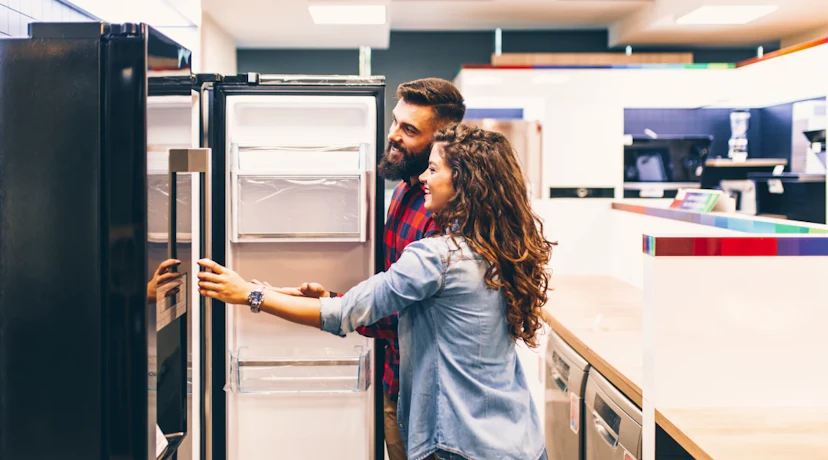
{"points": [[462, 388]]}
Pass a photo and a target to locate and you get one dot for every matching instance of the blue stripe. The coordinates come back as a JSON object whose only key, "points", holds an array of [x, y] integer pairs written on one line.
{"points": [[497, 114]]}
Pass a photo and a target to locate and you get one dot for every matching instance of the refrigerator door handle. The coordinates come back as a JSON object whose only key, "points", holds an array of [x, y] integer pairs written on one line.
{"points": [[190, 161], [200, 161]]}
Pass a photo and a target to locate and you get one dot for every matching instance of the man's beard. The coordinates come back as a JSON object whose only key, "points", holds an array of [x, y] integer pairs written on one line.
{"points": [[411, 164]]}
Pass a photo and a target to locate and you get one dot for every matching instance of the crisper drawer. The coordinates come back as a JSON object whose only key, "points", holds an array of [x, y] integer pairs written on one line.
{"points": [[299, 207]]}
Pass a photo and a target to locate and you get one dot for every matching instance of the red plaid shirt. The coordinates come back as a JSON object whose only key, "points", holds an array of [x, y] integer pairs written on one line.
{"points": [[408, 221]]}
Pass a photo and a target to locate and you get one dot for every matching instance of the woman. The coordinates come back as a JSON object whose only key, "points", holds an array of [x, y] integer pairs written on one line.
{"points": [[464, 299]]}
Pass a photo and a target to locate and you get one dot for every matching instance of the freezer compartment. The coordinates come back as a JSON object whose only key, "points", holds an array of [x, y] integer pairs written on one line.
{"points": [[299, 207], [300, 370]]}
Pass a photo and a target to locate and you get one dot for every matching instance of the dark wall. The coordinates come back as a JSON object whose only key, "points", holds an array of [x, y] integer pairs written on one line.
{"points": [[309, 62], [769, 134], [413, 55], [696, 122]]}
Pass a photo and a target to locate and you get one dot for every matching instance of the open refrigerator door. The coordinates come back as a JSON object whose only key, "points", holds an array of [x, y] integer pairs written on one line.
{"points": [[301, 206]]}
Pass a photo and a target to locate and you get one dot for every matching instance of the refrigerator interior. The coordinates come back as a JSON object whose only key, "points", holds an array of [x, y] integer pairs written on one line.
{"points": [[172, 122], [301, 181]]}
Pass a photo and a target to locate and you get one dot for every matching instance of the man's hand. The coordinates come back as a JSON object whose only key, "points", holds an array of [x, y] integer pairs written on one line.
{"points": [[287, 291], [314, 290]]}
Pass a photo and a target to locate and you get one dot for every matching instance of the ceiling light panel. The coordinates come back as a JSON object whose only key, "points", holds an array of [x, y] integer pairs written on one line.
{"points": [[348, 14], [726, 14]]}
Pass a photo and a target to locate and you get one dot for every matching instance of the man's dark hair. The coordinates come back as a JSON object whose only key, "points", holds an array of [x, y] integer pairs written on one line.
{"points": [[441, 95]]}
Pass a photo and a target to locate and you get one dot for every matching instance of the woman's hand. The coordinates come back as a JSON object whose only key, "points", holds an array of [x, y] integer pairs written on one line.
{"points": [[223, 284]]}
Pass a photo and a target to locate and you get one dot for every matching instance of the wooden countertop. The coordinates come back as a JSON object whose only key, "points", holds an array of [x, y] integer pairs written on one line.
{"points": [[600, 317], [749, 433]]}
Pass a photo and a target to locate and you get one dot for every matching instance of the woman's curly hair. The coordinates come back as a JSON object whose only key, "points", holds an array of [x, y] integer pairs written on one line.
{"points": [[491, 210]]}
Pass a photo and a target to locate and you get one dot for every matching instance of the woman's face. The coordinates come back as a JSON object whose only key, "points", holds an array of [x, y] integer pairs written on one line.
{"points": [[437, 181]]}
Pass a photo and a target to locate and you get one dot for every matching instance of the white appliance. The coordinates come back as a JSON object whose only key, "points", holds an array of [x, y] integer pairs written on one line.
{"points": [[296, 160]]}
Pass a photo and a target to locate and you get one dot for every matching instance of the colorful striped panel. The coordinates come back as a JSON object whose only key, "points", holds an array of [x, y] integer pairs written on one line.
{"points": [[711, 65], [784, 51], [739, 224], [779, 246]]}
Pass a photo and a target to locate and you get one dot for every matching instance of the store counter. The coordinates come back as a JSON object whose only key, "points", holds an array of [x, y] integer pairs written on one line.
{"points": [[725, 350], [799, 433], [600, 317]]}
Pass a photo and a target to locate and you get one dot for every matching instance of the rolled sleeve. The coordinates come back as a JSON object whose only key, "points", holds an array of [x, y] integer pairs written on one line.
{"points": [[331, 315], [416, 276]]}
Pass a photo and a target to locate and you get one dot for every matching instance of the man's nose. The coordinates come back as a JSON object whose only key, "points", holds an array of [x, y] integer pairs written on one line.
{"points": [[394, 134]]}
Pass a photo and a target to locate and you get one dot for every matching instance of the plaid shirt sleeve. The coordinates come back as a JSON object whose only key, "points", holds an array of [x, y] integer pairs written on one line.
{"points": [[386, 328]]}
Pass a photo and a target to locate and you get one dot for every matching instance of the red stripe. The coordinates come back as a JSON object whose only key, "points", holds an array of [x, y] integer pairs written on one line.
{"points": [[784, 52]]}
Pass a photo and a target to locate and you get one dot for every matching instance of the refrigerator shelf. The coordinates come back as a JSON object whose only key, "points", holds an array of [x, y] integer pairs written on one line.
{"points": [[346, 158], [292, 371], [272, 207]]}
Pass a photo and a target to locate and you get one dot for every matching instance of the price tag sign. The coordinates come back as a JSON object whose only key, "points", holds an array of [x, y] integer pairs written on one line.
{"points": [[775, 186], [574, 412], [696, 200]]}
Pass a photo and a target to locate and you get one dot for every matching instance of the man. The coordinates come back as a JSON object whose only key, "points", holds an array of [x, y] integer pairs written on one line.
{"points": [[425, 106]]}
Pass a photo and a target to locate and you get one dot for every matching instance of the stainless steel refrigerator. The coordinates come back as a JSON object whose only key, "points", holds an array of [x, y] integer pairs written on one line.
{"points": [[95, 339], [296, 198]]}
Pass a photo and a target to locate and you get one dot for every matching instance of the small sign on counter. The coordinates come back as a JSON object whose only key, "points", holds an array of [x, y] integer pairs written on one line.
{"points": [[698, 200]]}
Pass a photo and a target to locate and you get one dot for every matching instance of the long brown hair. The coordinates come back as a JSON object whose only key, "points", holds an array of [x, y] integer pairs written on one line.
{"points": [[491, 210]]}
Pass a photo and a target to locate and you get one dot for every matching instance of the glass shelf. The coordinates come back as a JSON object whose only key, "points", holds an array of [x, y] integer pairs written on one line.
{"points": [[285, 371], [319, 207]]}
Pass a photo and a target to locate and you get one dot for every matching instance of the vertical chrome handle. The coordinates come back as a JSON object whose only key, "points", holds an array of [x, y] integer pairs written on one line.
{"points": [[200, 161]]}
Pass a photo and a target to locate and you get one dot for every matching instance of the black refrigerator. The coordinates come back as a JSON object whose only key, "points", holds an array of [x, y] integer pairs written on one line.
{"points": [[101, 194]]}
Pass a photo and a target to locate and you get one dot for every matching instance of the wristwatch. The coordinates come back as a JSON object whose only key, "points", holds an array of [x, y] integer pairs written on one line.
{"points": [[255, 298]]}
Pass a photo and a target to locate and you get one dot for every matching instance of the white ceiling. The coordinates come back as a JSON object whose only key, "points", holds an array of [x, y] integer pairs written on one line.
{"points": [[287, 23]]}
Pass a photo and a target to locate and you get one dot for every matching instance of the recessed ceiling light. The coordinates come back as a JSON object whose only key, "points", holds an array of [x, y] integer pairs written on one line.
{"points": [[348, 14], [726, 14]]}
